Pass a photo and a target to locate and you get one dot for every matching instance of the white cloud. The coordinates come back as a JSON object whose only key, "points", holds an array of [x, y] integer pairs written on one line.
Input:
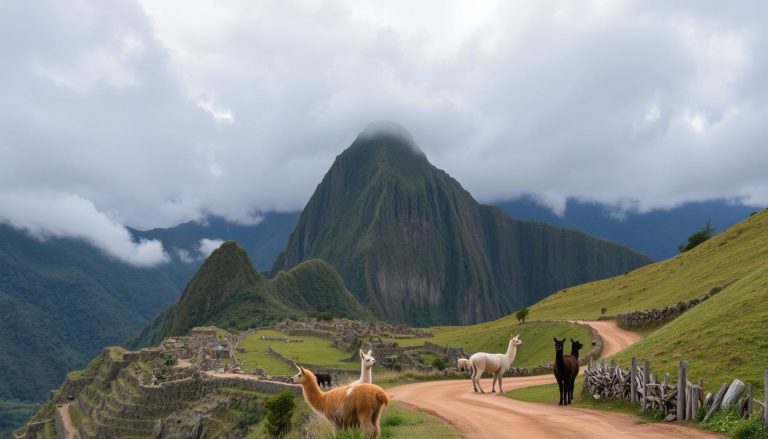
{"points": [[165, 111], [207, 246], [58, 215]]}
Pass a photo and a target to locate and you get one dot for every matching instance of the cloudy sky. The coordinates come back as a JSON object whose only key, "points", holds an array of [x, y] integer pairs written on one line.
{"points": [[148, 113]]}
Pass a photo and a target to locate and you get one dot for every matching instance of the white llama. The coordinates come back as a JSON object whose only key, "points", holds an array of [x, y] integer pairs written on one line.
{"points": [[366, 364], [464, 365], [496, 364]]}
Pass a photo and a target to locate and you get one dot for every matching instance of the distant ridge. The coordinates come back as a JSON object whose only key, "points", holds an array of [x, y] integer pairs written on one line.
{"points": [[414, 246]]}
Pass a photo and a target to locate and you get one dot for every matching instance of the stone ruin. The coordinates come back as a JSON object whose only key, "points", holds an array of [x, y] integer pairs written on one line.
{"points": [[203, 349]]}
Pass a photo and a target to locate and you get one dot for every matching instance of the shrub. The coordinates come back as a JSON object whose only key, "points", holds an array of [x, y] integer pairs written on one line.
{"points": [[439, 363], [279, 410], [522, 314]]}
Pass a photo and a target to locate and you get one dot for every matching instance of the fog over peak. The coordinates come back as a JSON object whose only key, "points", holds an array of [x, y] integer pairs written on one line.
{"points": [[157, 112], [388, 128]]}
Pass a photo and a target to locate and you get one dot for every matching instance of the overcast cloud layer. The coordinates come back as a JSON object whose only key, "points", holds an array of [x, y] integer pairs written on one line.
{"points": [[153, 112]]}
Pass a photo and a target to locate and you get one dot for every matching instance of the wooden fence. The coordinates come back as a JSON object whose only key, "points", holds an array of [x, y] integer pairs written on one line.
{"points": [[682, 401]]}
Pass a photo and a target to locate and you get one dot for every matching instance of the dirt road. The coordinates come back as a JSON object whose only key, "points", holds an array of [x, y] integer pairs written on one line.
{"points": [[66, 420], [495, 416]]}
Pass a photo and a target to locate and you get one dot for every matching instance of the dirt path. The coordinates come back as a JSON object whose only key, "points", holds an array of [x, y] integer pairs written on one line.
{"points": [[69, 428], [495, 416]]}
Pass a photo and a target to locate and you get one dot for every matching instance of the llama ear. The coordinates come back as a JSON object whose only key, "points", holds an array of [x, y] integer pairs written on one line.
{"points": [[362, 355], [553, 338], [369, 353], [571, 340]]}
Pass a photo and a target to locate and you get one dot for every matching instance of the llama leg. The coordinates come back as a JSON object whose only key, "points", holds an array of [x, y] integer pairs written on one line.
{"points": [[478, 375], [376, 419], [493, 387], [364, 419], [561, 384], [570, 393], [501, 375]]}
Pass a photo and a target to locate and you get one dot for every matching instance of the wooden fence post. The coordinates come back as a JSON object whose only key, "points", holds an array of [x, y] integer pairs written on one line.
{"points": [[646, 381], [633, 380], [716, 403], [750, 395], [695, 403], [765, 407], [682, 379]]}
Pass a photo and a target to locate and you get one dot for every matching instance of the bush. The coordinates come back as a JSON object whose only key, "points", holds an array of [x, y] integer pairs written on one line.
{"points": [[522, 315], [279, 410], [250, 414], [750, 429], [439, 363]]}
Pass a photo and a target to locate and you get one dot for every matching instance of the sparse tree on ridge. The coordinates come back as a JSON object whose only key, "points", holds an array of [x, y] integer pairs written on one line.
{"points": [[699, 237]]}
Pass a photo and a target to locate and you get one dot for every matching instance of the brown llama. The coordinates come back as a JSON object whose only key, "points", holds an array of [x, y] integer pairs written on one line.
{"points": [[352, 406], [566, 368]]}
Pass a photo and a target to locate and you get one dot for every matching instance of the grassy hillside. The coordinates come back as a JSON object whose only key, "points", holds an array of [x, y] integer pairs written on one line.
{"points": [[726, 258], [722, 338]]}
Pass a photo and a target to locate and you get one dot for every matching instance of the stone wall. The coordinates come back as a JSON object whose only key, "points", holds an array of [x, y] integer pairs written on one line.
{"points": [[452, 353], [71, 387], [657, 316]]}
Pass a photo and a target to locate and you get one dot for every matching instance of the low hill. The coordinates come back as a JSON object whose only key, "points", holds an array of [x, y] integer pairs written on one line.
{"points": [[415, 247], [726, 258], [228, 292]]}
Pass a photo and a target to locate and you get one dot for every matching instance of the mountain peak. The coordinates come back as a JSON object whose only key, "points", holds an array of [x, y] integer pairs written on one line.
{"points": [[387, 133], [226, 271]]}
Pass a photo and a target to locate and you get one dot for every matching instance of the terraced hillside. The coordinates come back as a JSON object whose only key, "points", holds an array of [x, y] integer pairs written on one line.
{"points": [[113, 398], [178, 390], [728, 257]]}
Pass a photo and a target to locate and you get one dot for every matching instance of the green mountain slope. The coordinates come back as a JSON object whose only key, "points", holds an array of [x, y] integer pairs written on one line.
{"points": [[414, 246], [728, 257], [228, 292], [61, 302], [722, 338]]}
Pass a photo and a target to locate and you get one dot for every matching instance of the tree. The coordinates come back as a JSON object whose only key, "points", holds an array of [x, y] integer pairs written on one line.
{"points": [[522, 314], [698, 238], [279, 410]]}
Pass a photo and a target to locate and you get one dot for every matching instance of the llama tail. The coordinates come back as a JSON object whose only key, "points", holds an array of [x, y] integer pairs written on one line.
{"points": [[382, 398]]}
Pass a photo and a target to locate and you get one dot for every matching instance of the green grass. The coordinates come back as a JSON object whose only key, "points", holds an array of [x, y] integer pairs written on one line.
{"points": [[494, 337], [726, 421], [313, 350], [401, 421], [726, 258], [721, 339], [550, 394], [76, 415]]}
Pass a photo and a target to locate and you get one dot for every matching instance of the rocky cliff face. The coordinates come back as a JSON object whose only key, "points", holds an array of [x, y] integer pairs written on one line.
{"points": [[414, 246]]}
